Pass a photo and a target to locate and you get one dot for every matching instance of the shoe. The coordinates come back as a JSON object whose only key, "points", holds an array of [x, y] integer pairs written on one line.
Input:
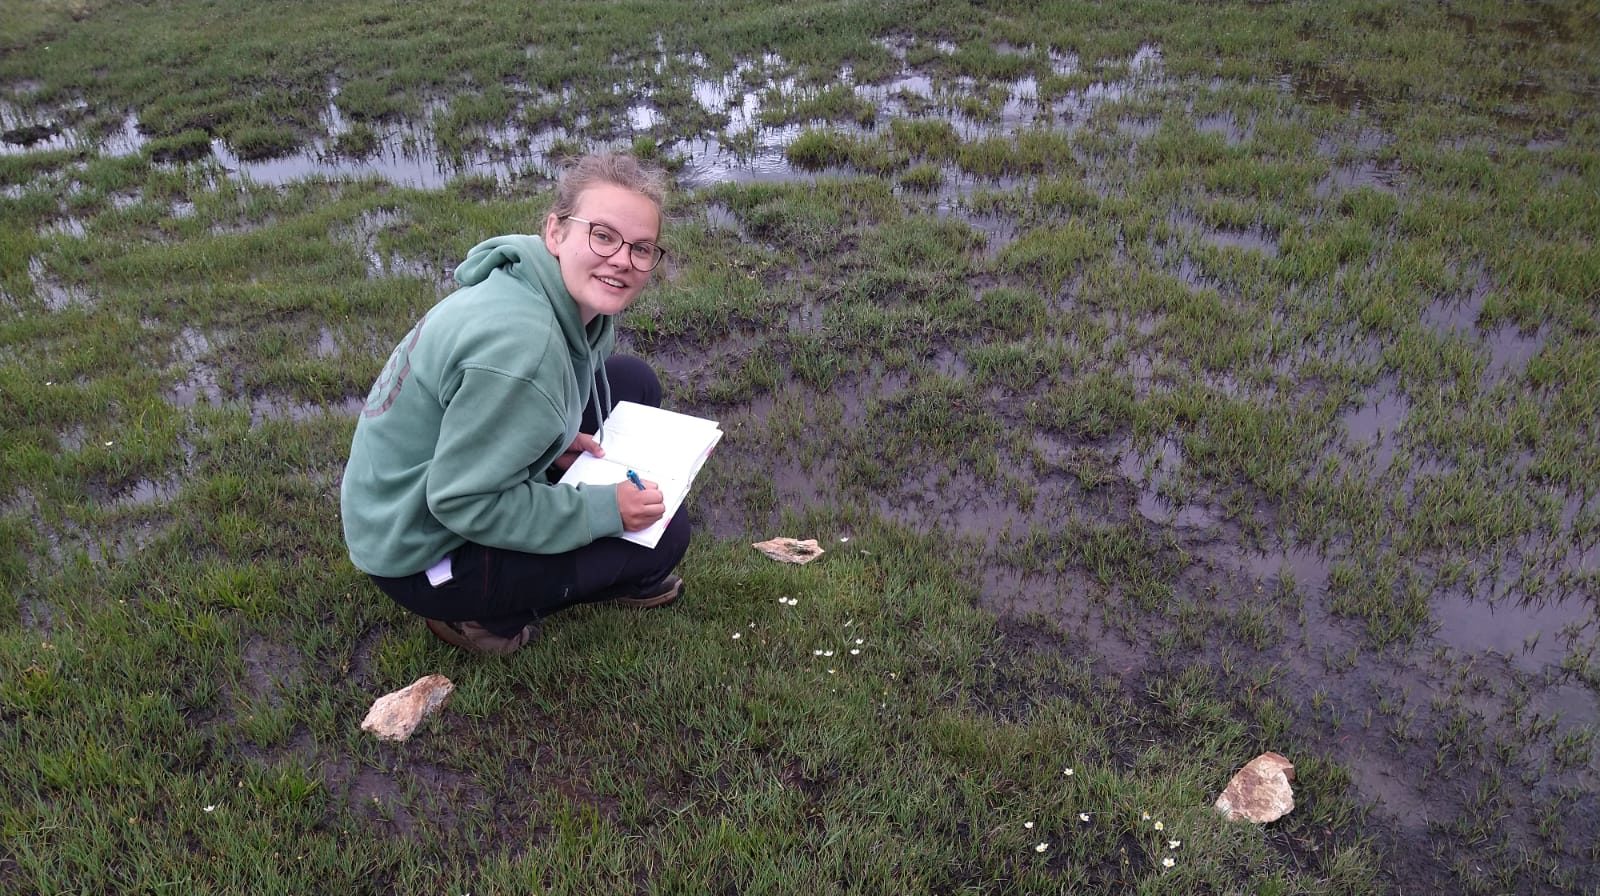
{"points": [[660, 594], [474, 638]]}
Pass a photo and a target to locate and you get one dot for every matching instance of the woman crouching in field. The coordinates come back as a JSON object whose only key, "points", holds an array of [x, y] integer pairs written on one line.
{"points": [[450, 501]]}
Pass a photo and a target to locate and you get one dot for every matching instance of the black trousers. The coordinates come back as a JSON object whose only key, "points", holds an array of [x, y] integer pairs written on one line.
{"points": [[505, 590]]}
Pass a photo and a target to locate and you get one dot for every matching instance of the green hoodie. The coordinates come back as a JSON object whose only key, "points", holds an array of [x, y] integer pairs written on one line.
{"points": [[474, 404]]}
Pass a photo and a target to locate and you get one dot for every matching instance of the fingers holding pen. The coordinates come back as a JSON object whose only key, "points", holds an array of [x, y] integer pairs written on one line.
{"points": [[640, 502]]}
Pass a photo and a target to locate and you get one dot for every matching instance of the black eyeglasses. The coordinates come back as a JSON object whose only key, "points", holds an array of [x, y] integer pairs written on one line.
{"points": [[605, 242]]}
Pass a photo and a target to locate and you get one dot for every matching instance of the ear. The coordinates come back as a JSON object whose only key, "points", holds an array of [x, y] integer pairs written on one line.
{"points": [[552, 229]]}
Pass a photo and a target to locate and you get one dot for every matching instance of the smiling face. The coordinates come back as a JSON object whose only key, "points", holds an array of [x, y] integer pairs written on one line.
{"points": [[603, 285]]}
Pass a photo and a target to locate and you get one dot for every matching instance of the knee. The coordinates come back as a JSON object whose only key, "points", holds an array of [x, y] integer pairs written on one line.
{"points": [[633, 380], [674, 541]]}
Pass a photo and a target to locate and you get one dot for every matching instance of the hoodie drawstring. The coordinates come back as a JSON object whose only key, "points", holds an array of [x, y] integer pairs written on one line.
{"points": [[602, 408]]}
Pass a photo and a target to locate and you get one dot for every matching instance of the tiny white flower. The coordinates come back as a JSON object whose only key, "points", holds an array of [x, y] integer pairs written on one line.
{"points": [[49, 382], [109, 444], [827, 653], [1174, 844], [861, 641], [1168, 862], [844, 538], [1028, 825], [855, 651], [212, 807], [1160, 827], [816, 653], [736, 636], [1067, 772], [1083, 817], [1041, 847], [831, 671], [1144, 816], [794, 601]]}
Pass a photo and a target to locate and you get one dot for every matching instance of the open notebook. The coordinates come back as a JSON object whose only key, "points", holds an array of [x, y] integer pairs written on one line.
{"points": [[663, 446]]}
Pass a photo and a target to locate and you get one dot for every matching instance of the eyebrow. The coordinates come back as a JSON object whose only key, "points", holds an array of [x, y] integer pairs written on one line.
{"points": [[610, 226]]}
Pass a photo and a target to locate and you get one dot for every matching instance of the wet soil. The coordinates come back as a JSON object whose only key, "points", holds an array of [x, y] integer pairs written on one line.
{"points": [[1474, 706], [1387, 715]]}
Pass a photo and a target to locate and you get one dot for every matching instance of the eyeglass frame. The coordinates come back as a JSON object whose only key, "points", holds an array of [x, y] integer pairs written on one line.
{"points": [[630, 244]]}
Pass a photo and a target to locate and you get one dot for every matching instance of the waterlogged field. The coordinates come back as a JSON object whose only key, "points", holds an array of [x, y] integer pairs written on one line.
{"points": [[1166, 384]]}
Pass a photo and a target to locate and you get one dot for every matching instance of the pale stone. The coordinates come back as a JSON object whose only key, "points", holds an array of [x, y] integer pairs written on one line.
{"points": [[394, 716], [790, 550], [1260, 792]]}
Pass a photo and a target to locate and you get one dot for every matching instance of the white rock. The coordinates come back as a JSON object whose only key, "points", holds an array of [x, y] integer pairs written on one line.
{"points": [[394, 716], [1260, 792], [790, 550]]}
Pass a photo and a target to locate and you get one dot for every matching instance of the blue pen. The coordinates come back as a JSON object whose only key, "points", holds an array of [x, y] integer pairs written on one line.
{"points": [[634, 478]]}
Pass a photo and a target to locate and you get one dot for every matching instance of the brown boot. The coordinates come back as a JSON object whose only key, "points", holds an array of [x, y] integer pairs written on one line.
{"points": [[660, 594], [474, 638]]}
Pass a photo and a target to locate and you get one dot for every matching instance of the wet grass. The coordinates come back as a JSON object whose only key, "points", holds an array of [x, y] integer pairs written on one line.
{"points": [[1257, 283]]}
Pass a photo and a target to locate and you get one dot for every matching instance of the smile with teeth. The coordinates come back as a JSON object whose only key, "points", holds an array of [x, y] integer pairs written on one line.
{"points": [[612, 282]]}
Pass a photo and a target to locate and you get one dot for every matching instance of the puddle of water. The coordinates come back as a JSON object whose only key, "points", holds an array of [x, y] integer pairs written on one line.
{"points": [[1381, 176], [999, 231], [1194, 277], [1255, 240], [1452, 315], [200, 382], [363, 233], [55, 295], [1307, 569], [397, 162], [709, 162], [1365, 143], [1318, 85], [274, 407], [1148, 471], [744, 151], [1139, 128], [150, 491], [1526, 632], [24, 133], [68, 227], [1226, 126], [1380, 416], [1510, 350]]}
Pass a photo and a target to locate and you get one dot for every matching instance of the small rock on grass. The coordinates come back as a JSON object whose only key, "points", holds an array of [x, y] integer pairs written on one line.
{"points": [[790, 550], [1260, 792], [394, 716]]}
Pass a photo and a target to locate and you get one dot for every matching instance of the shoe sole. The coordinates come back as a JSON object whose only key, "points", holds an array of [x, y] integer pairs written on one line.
{"points": [[658, 600], [450, 636], [500, 646]]}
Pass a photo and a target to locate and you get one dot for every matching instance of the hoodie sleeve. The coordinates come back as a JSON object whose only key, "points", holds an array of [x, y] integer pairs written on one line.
{"points": [[499, 433]]}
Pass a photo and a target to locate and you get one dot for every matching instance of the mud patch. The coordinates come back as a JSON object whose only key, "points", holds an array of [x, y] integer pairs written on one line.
{"points": [[270, 669], [55, 295], [37, 615], [268, 408], [191, 361]]}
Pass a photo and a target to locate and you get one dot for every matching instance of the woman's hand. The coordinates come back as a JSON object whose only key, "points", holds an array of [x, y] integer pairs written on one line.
{"points": [[640, 507], [584, 442]]}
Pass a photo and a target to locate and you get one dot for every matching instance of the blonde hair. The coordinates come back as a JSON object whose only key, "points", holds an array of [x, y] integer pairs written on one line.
{"points": [[616, 168]]}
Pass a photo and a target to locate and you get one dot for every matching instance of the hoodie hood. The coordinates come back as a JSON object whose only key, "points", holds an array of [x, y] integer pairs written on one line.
{"points": [[525, 258]]}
